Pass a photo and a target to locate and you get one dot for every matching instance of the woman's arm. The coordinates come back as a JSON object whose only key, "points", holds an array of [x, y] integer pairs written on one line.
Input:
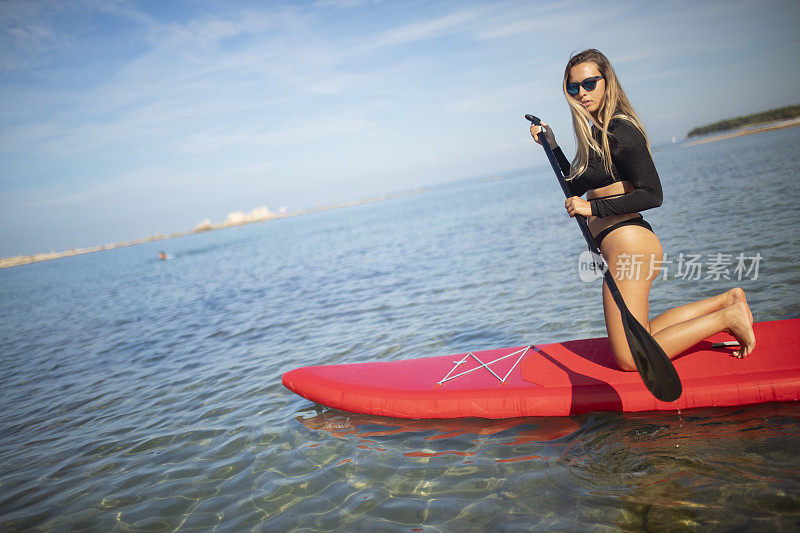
{"points": [[562, 161], [635, 164], [574, 187]]}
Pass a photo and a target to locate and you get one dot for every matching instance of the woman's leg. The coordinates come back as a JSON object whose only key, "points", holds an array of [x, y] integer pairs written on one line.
{"points": [[733, 318], [699, 308], [677, 329], [628, 251]]}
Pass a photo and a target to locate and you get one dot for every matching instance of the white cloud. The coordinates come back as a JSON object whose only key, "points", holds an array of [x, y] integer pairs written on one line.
{"points": [[241, 95], [451, 23], [515, 146], [674, 115], [343, 4], [26, 34], [305, 131], [494, 99]]}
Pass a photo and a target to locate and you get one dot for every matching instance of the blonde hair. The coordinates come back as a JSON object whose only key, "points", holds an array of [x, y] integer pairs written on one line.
{"points": [[615, 105]]}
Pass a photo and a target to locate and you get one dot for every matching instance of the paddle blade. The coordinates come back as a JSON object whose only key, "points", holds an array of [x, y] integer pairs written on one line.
{"points": [[652, 363]]}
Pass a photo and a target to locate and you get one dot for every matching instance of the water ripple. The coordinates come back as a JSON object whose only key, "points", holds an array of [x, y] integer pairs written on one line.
{"points": [[145, 394]]}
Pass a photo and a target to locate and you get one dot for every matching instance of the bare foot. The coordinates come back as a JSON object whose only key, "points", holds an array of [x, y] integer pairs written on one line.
{"points": [[739, 325], [736, 294]]}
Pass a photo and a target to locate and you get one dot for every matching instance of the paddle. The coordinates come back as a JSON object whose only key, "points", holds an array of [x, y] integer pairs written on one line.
{"points": [[652, 363]]}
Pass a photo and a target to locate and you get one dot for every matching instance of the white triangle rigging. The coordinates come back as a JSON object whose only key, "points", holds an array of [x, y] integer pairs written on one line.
{"points": [[521, 352]]}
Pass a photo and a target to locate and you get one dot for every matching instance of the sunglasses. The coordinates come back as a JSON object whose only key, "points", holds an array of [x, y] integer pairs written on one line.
{"points": [[589, 84]]}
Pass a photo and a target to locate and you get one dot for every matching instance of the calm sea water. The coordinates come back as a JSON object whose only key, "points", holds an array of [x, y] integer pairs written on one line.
{"points": [[140, 394]]}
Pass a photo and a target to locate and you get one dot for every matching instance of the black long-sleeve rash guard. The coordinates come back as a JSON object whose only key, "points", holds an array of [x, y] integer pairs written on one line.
{"points": [[631, 161]]}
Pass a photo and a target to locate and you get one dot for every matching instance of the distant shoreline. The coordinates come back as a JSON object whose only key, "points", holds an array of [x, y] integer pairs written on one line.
{"points": [[19, 260], [756, 119], [791, 123]]}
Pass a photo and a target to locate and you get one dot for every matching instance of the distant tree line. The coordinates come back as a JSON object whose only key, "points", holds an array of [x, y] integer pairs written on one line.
{"points": [[748, 120]]}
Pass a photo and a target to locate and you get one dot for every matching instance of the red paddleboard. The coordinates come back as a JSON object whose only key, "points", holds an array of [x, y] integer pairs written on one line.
{"points": [[558, 379]]}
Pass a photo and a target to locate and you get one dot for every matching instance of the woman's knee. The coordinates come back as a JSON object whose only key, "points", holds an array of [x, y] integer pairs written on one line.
{"points": [[624, 360], [621, 350]]}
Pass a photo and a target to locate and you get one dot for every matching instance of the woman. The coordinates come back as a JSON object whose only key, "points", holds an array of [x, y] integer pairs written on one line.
{"points": [[613, 165]]}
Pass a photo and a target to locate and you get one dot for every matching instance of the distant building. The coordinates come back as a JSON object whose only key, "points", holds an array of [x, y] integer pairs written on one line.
{"points": [[205, 225]]}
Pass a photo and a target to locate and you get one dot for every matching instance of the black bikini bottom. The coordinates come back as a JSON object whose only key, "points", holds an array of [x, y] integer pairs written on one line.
{"points": [[637, 221]]}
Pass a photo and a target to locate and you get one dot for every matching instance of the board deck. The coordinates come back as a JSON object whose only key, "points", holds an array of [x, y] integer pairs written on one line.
{"points": [[557, 379]]}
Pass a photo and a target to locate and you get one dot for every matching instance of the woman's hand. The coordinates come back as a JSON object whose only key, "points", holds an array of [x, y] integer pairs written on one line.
{"points": [[578, 206], [548, 134]]}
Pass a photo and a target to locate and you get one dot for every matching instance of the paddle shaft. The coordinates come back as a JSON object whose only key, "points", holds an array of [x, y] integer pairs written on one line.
{"points": [[580, 219], [654, 366]]}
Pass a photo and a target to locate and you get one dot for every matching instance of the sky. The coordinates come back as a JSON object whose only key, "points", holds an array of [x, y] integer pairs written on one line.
{"points": [[123, 119]]}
